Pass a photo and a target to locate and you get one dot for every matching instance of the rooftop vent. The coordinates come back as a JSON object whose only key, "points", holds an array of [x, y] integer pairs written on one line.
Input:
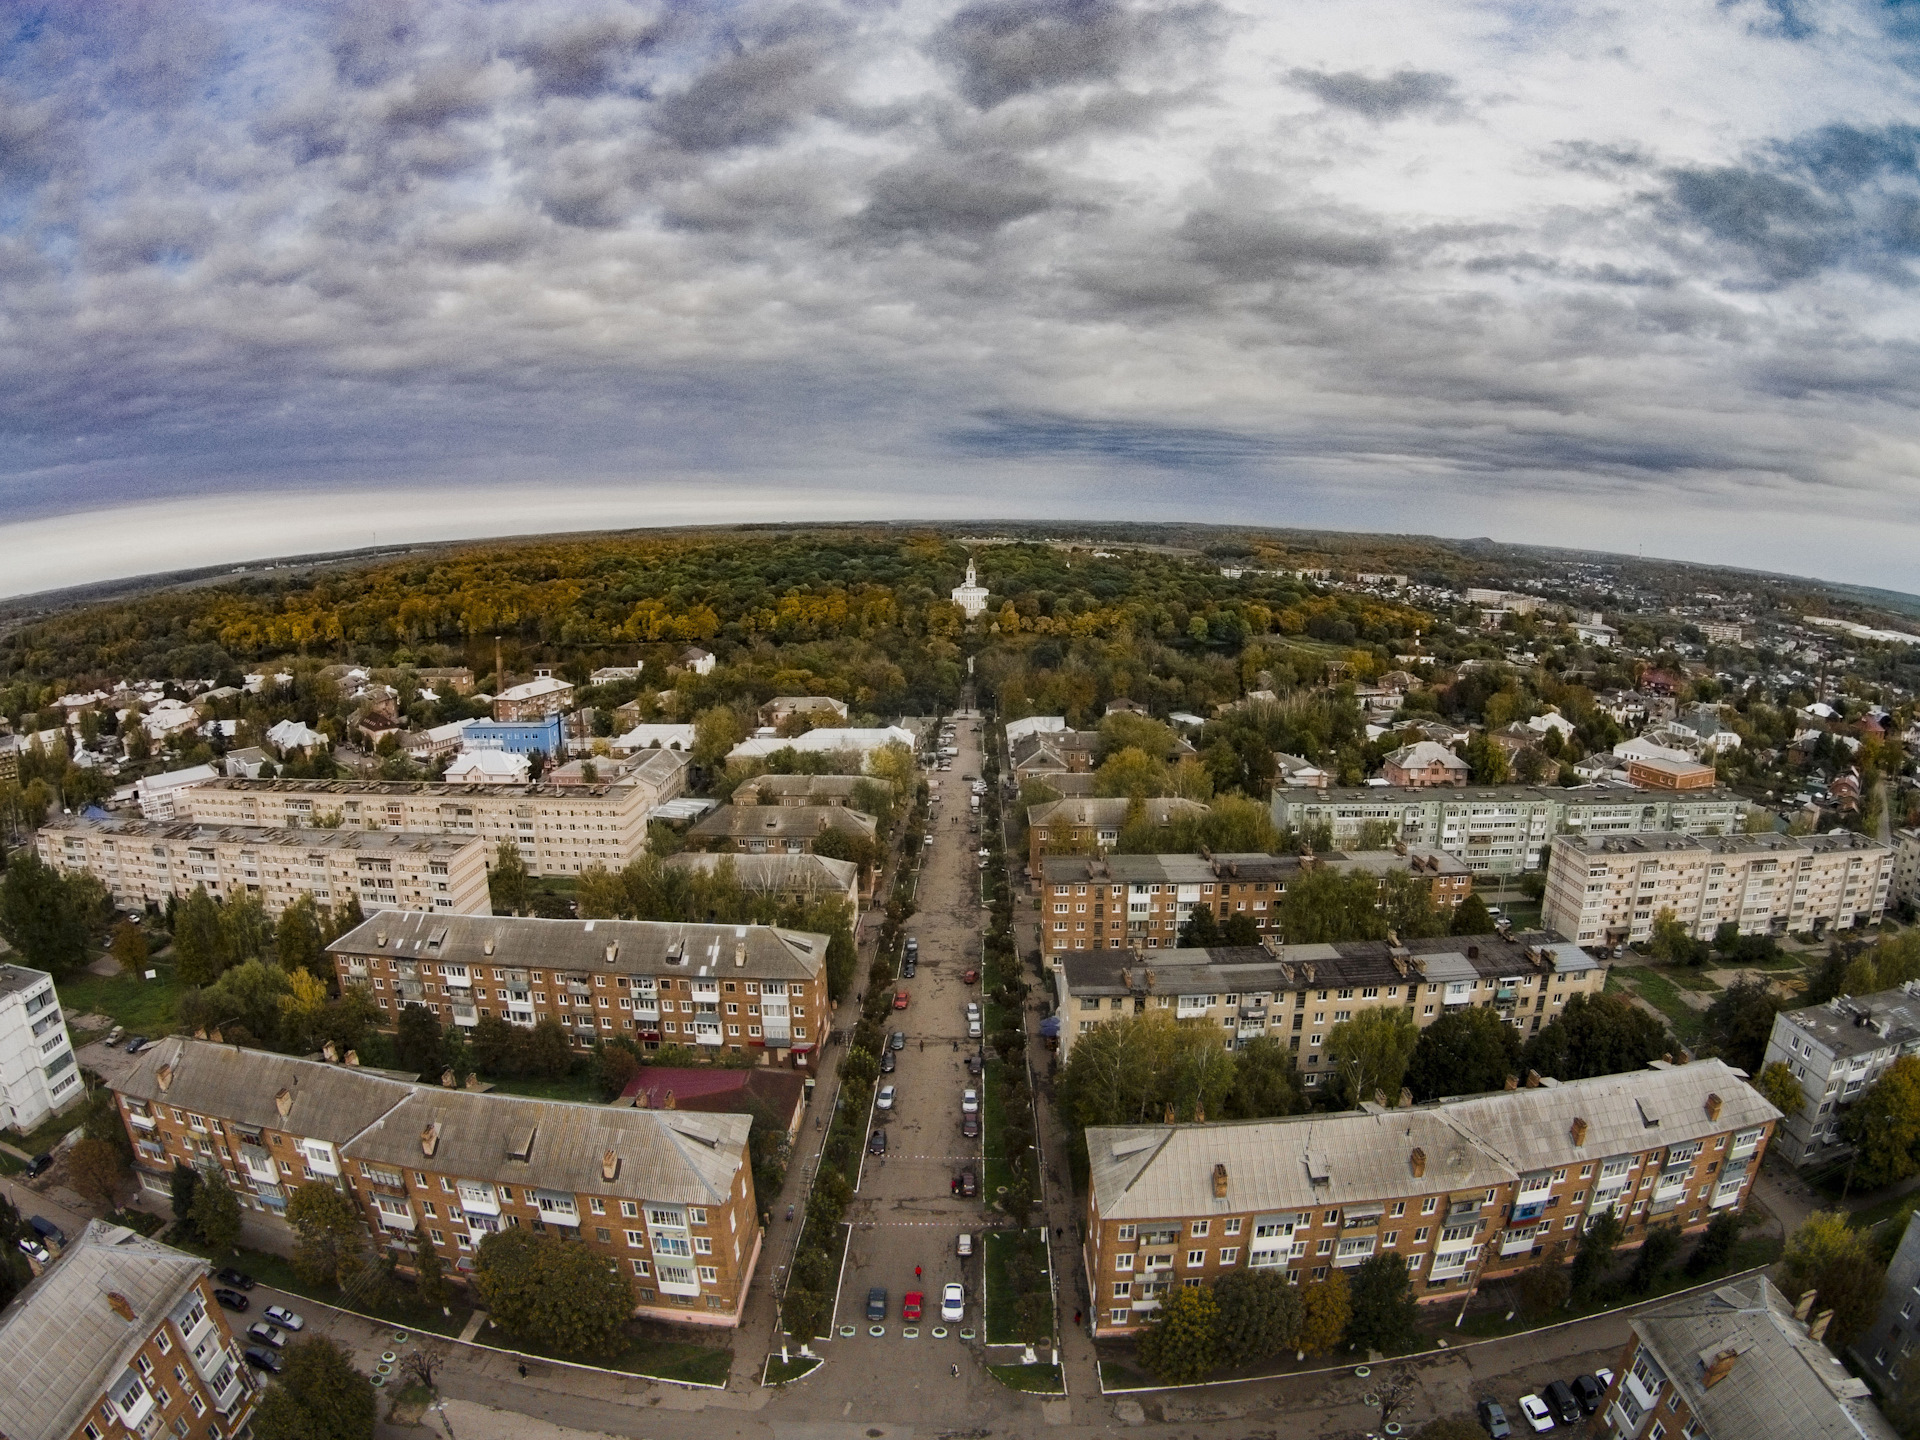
{"points": [[1577, 1132], [353, 1057], [520, 1144], [446, 1078], [486, 946], [1219, 1182], [380, 938], [1648, 1116], [1713, 1107], [283, 1101], [609, 1166], [120, 1305], [1417, 1162], [1317, 1169], [164, 1077], [430, 1137], [613, 951]]}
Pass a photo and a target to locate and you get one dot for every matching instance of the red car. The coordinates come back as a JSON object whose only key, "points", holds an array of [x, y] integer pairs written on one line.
{"points": [[910, 1306], [899, 999], [969, 976]]}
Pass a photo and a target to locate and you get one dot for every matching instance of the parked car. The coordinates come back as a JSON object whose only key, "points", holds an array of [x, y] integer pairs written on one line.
{"points": [[263, 1360], [135, 1044], [1563, 1402], [910, 1305], [963, 1245], [284, 1318], [897, 1040], [953, 1301], [884, 1101], [115, 1036], [1494, 1419], [969, 977], [34, 1250], [969, 1101], [965, 1184], [908, 970], [1588, 1391], [975, 1064], [973, 1009], [887, 1063], [51, 1233], [970, 1126], [913, 941], [267, 1334], [238, 1279], [877, 1303], [900, 999], [1537, 1415], [973, 1030], [877, 1143], [39, 1165], [232, 1299]]}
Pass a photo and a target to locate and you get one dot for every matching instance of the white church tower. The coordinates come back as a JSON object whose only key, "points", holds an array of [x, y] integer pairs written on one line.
{"points": [[970, 597]]}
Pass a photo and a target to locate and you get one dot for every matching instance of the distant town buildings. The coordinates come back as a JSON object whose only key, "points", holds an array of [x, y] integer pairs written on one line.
{"points": [[545, 694], [1423, 765], [970, 595]]}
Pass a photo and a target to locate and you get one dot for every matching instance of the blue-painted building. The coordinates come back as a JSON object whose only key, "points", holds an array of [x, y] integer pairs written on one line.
{"points": [[548, 735]]}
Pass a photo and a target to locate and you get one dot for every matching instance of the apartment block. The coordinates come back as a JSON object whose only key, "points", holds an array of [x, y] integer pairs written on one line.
{"points": [[667, 1195], [1738, 1360], [142, 862], [785, 878], [1503, 829], [1887, 1348], [541, 696], [780, 829], [1302, 991], [1462, 1189], [38, 1076], [800, 789], [121, 1338], [1609, 890], [723, 988], [1836, 1051], [1081, 826], [558, 829], [1906, 867]]}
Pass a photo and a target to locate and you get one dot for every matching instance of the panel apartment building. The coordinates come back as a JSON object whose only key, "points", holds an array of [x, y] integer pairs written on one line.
{"points": [[121, 1338], [723, 988], [1303, 991], [1608, 890], [142, 862], [38, 1075], [559, 829], [1139, 902], [1836, 1051], [667, 1195], [1464, 1190], [1504, 829]]}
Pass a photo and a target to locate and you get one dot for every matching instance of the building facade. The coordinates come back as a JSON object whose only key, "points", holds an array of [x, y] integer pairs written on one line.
{"points": [[732, 989], [1906, 867], [122, 1338], [541, 696], [787, 878], [1425, 765], [970, 595], [1887, 1348], [668, 1196], [1087, 827], [545, 733], [38, 1074], [1300, 992], [1836, 1051], [1504, 829], [1608, 890], [142, 862], [1463, 1190], [558, 829]]}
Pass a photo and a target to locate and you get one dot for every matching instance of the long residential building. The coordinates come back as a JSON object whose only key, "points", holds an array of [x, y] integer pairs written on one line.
{"points": [[1836, 1051], [1503, 829], [1463, 1190], [1302, 991], [1080, 826], [780, 829], [121, 1338], [38, 1074], [1887, 1347], [667, 1195], [786, 878], [558, 829], [1608, 890], [732, 989], [142, 862]]}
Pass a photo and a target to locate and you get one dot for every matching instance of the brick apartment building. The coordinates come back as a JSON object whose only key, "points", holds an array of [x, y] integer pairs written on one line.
{"points": [[779, 829], [667, 1195], [723, 988], [142, 862], [1081, 826], [1303, 991], [1464, 1190], [121, 1338], [1608, 890]]}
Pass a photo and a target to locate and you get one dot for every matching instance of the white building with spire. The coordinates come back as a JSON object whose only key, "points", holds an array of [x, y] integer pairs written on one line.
{"points": [[971, 597]]}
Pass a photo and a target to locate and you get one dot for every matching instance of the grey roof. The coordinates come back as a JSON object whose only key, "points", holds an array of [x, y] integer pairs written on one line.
{"points": [[1857, 1024], [1479, 794], [786, 787], [325, 1102], [14, 978], [619, 784], [1113, 811], [668, 1155], [778, 873], [358, 841], [1251, 968], [801, 822], [1783, 1385], [644, 947], [1636, 1111], [1149, 1172], [61, 1341]]}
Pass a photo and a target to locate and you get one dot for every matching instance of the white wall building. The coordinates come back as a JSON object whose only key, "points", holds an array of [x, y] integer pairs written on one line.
{"points": [[1906, 867], [970, 595], [158, 794], [38, 1074], [1836, 1051]]}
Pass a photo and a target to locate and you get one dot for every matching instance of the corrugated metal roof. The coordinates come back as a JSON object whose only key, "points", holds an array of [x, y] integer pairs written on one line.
{"points": [[324, 1102]]}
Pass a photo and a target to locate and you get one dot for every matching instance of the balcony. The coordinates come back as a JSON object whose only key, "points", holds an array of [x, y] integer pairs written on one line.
{"points": [[228, 1389], [461, 981], [139, 1121], [557, 1208], [1516, 1242], [479, 1199], [397, 1219], [465, 1014], [258, 1164], [1445, 1267], [319, 1160]]}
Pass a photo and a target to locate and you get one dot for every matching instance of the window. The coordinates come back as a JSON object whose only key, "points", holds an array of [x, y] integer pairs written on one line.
{"points": [[1399, 1209], [1233, 1226], [1123, 1262], [1200, 1229], [1126, 1233], [1119, 1317], [1196, 1258], [629, 1209], [1230, 1255], [1429, 1205], [598, 1207], [1420, 1235], [637, 1239], [1122, 1289], [640, 1268]]}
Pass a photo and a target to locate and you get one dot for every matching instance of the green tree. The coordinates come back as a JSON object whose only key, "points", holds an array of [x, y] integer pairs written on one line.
{"points": [[1715, 1247], [1656, 1253], [185, 1186], [1884, 1126], [715, 732], [1489, 761], [96, 1170], [249, 933], [216, 1212], [1597, 1035], [1544, 1288], [246, 997], [1129, 1071], [1831, 1258], [549, 1050], [507, 883], [1406, 900], [297, 940], [1470, 917], [1385, 1314], [1265, 1082], [130, 947], [1594, 1261], [545, 1288], [429, 1274], [1325, 1307], [327, 1234], [200, 951], [318, 1396], [1368, 1054], [1322, 906], [1465, 1053], [417, 1037], [1131, 773], [1780, 1089], [1673, 942], [1259, 1315], [46, 915], [1739, 1022], [599, 894], [1199, 931], [1180, 1346]]}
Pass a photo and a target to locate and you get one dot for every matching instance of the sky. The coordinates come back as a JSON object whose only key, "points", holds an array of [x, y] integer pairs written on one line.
{"points": [[277, 279]]}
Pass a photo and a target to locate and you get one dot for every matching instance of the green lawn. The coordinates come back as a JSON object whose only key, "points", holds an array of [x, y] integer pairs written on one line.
{"points": [[783, 1372], [994, 1173], [46, 1135], [1035, 1379], [1661, 993], [1000, 1301], [646, 1352], [277, 1271], [145, 1007], [582, 1088]]}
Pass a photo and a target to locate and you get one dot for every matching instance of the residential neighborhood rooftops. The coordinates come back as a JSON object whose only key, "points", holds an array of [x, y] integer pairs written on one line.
{"points": [[1110, 812], [782, 822], [321, 1100], [363, 842]]}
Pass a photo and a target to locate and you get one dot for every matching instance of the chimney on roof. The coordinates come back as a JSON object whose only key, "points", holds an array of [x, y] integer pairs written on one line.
{"points": [[609, 1166], [430, 1139], [1805, 1307], [739, 951], [1533, 1079], [1417, 1162], [1720, 1367], [330, 1053], [1400, 965], [353, 1057], [1513, 1082], [613, 951], [216, 1037], [1308, 967], [1577, 1132], [1473, 952], [1818, 1330], [473, 1080], [120, 1305], [1170, 1117], [1406, 1098], [380, 938], [283, 1101], [164, 1076], [1149, 982], [667, 1104], [1126, 977], [486, 946], [1713, 1107], [1219, 1182], [446, 1077]]}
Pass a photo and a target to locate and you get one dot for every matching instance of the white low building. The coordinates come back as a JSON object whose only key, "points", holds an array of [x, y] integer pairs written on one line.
{"points": [[1018, 730], [288, 735], [652, 737], [825, 742], [38, 1075], [970, 595], [488, 767], [158, 794]]}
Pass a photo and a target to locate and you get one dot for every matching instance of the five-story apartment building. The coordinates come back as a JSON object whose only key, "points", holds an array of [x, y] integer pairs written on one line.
{"points": [[38, 1074]]}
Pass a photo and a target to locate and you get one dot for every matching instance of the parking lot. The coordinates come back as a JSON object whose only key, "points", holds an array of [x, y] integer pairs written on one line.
{"points": [[906, 1214]]}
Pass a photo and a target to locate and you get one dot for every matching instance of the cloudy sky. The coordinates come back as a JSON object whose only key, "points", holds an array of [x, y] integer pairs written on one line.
{"points": [[277, 278]]}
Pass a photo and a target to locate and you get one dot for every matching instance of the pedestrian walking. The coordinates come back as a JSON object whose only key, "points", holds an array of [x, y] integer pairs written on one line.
{"points": [[954, 1370], [1076, 1317], [523, 1371]]}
